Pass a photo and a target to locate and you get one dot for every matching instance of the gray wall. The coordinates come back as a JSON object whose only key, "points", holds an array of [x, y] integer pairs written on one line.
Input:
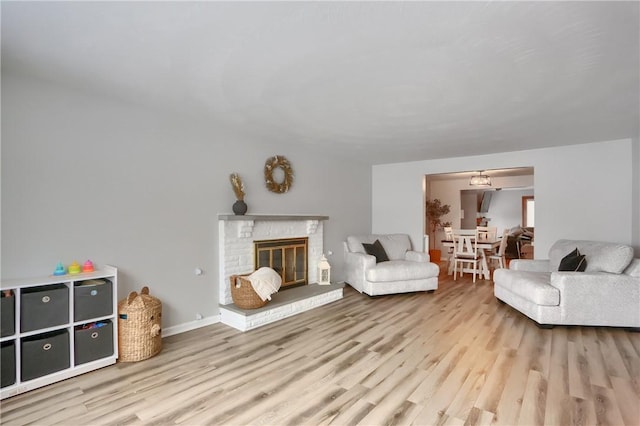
{"points": [[86, 177], [505, 209], [468, 204], [582, 191]]}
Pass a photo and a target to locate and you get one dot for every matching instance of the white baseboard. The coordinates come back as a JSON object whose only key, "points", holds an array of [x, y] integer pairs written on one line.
{"points": [[191, 325]]}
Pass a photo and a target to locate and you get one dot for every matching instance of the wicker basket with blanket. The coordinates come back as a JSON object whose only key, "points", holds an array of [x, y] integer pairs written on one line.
{"points": [[252, 291], [243, 294]]}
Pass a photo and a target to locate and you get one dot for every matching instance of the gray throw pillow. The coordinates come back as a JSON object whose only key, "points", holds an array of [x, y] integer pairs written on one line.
{"points": [[574, 261], [376, 249]]}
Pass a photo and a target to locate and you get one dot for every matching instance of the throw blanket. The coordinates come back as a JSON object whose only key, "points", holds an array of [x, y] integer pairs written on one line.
{"points": [[265, 282]]}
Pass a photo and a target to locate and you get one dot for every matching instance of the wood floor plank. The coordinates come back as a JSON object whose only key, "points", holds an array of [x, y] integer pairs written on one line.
{"points": [[332, 408], [438, 375], [287, 408], [508, 409], [536, 344], [437, 403], [455, 356], [126, 402], [627, 400], [46, 407], [394, 406], [534, 400], [467, 395], [629, 356], [583, 412], [492, 389], [558, 405], [634, 339], [607, 411], [559, 347], [353, 414], [479, 417], [452, 421], [579, 380], [597, 367], [613, 359]]}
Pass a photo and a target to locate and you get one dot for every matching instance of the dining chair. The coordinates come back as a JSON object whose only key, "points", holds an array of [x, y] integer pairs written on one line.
{"points": [[487, 233], [465, 252], [499, 255], [448, 236], [448, 233]]}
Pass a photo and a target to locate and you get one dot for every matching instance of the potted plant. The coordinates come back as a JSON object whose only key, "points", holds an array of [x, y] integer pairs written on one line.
{"points": [[435, 211]]}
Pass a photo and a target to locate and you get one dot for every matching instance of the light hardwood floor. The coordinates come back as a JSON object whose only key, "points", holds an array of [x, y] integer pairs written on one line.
{"points": [[453, 357]]}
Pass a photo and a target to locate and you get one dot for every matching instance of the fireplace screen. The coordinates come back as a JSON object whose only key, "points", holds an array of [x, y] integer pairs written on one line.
{"points": [[287, 256]]}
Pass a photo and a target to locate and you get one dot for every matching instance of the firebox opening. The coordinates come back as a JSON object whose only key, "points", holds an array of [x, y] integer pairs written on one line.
{"points": [[287, 256]]}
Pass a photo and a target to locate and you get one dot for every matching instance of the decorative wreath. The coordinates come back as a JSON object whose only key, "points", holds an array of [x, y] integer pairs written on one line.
{"points": [[278, 161]]}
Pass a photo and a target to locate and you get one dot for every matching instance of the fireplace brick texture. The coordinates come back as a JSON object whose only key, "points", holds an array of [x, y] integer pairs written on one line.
{"points": [[236, 246]]}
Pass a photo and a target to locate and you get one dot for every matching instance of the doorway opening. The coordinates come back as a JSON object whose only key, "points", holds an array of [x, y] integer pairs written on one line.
{"points": [[498, 205]]}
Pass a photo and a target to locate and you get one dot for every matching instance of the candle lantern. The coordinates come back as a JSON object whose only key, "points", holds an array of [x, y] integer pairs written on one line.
{"points": [[324, 271]]}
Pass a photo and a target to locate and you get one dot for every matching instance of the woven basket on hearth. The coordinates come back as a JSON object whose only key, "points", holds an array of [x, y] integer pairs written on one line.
{"points": [[243, 294]]}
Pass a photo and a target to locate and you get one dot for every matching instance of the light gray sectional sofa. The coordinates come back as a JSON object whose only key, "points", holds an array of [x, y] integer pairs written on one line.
{"points": [[405, 271], [607, 293]]}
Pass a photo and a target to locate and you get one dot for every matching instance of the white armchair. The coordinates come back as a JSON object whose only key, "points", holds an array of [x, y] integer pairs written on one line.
{"points": [[405, 271]]}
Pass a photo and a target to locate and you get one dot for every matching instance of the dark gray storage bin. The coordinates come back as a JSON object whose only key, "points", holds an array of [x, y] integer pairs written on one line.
{"points": [[44, 306], [7, 315], [92, 299], [8, 364], [93, 343], [44, 354]]}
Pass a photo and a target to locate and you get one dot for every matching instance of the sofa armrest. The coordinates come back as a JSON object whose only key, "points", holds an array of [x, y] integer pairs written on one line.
{"points": [[532, 265], [417, 256], [356, 265], [584, 295]]}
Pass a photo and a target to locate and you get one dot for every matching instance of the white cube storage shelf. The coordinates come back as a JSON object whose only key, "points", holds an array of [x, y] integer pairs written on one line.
{"points": [[50, 328]]}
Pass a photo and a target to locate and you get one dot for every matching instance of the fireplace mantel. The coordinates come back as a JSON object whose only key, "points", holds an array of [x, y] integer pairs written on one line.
{"points": [[245, 223], [270, 217]]}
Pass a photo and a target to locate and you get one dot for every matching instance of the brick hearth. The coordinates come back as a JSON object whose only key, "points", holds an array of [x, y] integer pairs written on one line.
{"points": [[282, 305]]}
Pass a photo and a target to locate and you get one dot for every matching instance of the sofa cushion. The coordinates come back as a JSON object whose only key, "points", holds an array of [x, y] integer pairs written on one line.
{"points": [[531, 286], [376, 250], [396, 245], [574, 261], [600, 256], [401, 270]]}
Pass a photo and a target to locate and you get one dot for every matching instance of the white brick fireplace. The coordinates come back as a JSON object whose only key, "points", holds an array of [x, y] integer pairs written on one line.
{"points": [[237, 234], [236, 256]]}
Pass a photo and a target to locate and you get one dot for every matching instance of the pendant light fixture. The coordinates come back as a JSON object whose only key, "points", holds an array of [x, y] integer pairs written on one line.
{"points": [[480, 180]]}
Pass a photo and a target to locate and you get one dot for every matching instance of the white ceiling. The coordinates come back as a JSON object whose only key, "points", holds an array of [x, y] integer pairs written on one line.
{"points": [[379, 81]]}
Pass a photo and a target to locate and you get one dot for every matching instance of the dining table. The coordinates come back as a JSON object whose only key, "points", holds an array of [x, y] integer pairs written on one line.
{"points": [[483, 246]]}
